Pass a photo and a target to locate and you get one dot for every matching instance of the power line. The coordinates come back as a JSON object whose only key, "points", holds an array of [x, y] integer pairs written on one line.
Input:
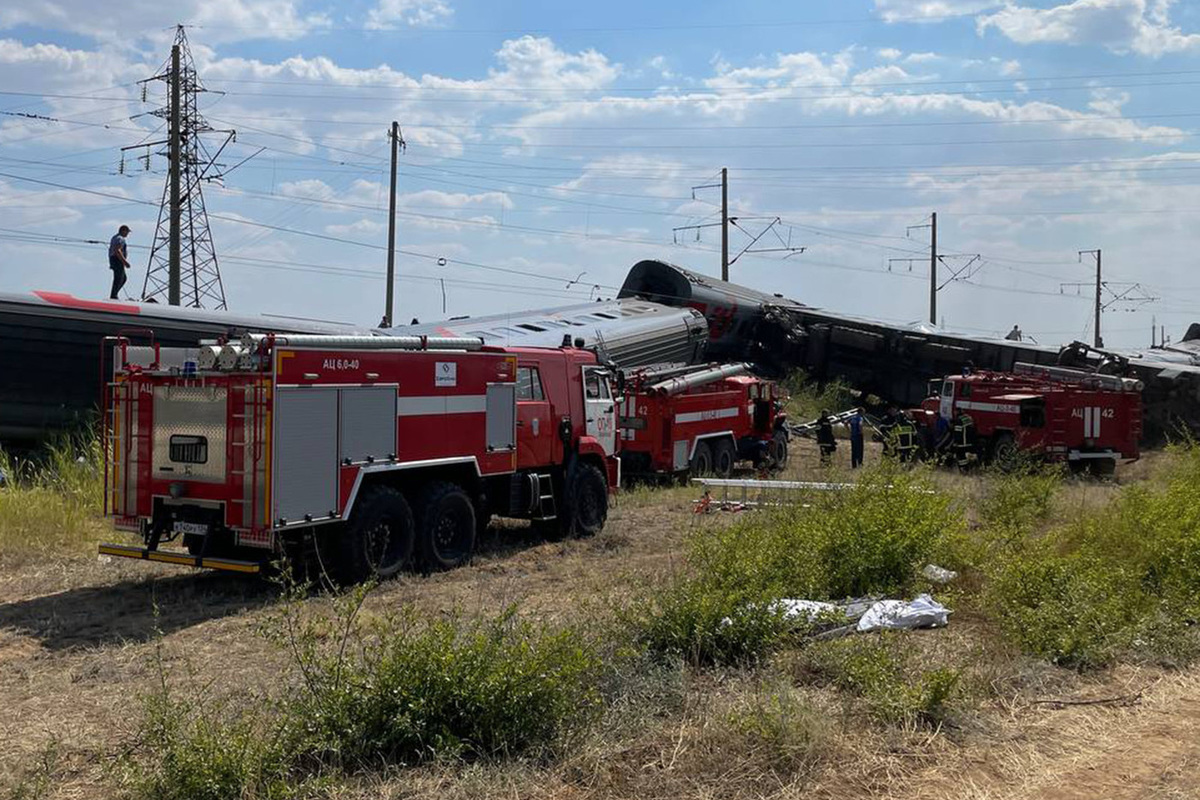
{"points": [[741, 94], [889, 20], [474, 89]]}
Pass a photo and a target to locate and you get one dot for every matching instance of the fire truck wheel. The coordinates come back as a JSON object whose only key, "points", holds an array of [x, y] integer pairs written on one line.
{"points": [[724, 457], [702, 460], [379, 540], [1004, 451], [777, 451], [587, 498], [447, 526]]}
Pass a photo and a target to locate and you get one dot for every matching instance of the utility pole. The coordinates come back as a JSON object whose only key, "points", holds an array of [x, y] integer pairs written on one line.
{"points": [[1097, 342], [933, 261], [725, 224], [173, 267], [1124, 296], [397, 142], [964, 272]]}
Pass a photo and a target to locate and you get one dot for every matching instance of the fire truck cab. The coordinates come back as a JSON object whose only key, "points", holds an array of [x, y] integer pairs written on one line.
{"points": [[1087, 420], [373, 454], [700, 420]]}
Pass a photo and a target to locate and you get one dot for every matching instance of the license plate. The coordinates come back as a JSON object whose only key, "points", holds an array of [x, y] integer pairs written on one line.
{"points": [[194, 528]]}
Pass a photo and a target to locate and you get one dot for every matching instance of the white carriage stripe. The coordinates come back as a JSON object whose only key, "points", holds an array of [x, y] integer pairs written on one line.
{"points": [[441, 404], [1000, 408], [1087, 421], [696, 416]]}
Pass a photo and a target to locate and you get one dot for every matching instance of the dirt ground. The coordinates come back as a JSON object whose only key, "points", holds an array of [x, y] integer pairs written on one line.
{"points": [[80, 639]]}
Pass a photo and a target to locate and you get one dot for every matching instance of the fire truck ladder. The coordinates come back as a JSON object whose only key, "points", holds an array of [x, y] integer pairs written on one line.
{"points": [[1058, 429], [810, 427], [547, 507], [122, 437], [252, 416]]}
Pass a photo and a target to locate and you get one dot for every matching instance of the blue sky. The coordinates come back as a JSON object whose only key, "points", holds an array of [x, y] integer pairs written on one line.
{"points": [[548, 140]]}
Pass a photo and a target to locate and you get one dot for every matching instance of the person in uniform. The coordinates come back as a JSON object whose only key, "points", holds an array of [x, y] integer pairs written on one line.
{"points": [[825, 440]]}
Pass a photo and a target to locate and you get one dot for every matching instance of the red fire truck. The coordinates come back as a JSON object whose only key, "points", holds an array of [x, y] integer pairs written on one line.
{"points": [[371, 453], [1085, 419], [702, 420]]}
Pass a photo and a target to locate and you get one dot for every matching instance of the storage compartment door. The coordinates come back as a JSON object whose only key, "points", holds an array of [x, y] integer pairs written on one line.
{"points": [[305, 465], [368, 423], [501, 416]]}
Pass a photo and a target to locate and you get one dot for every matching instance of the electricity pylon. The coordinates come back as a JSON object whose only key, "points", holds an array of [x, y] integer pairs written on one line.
{"points": [[183, 267]]}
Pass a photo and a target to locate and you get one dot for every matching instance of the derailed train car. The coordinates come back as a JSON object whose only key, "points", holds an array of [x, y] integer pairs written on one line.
{"points": [[51, 359], [895, 362], [52, 362]]}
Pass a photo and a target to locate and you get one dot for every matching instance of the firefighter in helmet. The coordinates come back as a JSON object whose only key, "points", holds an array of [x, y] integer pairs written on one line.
{"points": [[906, 438], [963, 433], [825, 440]]}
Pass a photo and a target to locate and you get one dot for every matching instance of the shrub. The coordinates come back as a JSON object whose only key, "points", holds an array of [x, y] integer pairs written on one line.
{"points": [[402, 690], [452, 687], [870, 539], [702, 622], [881, 670], [808, 398], [1016, 501], [193, 750], [1123, 576], [776, 730]]}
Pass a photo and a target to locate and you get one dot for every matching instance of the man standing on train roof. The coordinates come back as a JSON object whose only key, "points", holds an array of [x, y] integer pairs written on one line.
{"points": [[118, 260]]}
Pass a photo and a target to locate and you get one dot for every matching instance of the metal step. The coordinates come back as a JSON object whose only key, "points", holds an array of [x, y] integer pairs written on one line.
{"points": [[179, 557], [547, 506]]}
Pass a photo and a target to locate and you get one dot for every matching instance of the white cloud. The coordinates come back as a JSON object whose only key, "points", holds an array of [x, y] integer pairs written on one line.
{"points": [[310, 189], [440, 199], [1139, 26], [876, 75], [390, 14], [220, 20], [536, 62], [888, 53], [1010, 67], [928, 10], [659, 63], [921, 58], [361, 227]]}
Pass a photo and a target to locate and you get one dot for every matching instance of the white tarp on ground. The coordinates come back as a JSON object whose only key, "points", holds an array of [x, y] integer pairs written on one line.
{"points": [[921, 612], [872, 615]]}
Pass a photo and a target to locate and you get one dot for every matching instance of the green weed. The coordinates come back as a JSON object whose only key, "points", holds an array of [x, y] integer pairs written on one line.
{"points": [[53, 500], [460, 688], [881, 671], [871, 539], [808, 398], [1111, 582]]}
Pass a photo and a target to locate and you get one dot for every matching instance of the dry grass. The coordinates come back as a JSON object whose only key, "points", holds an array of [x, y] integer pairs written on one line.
{"points": [[77, 648]]}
